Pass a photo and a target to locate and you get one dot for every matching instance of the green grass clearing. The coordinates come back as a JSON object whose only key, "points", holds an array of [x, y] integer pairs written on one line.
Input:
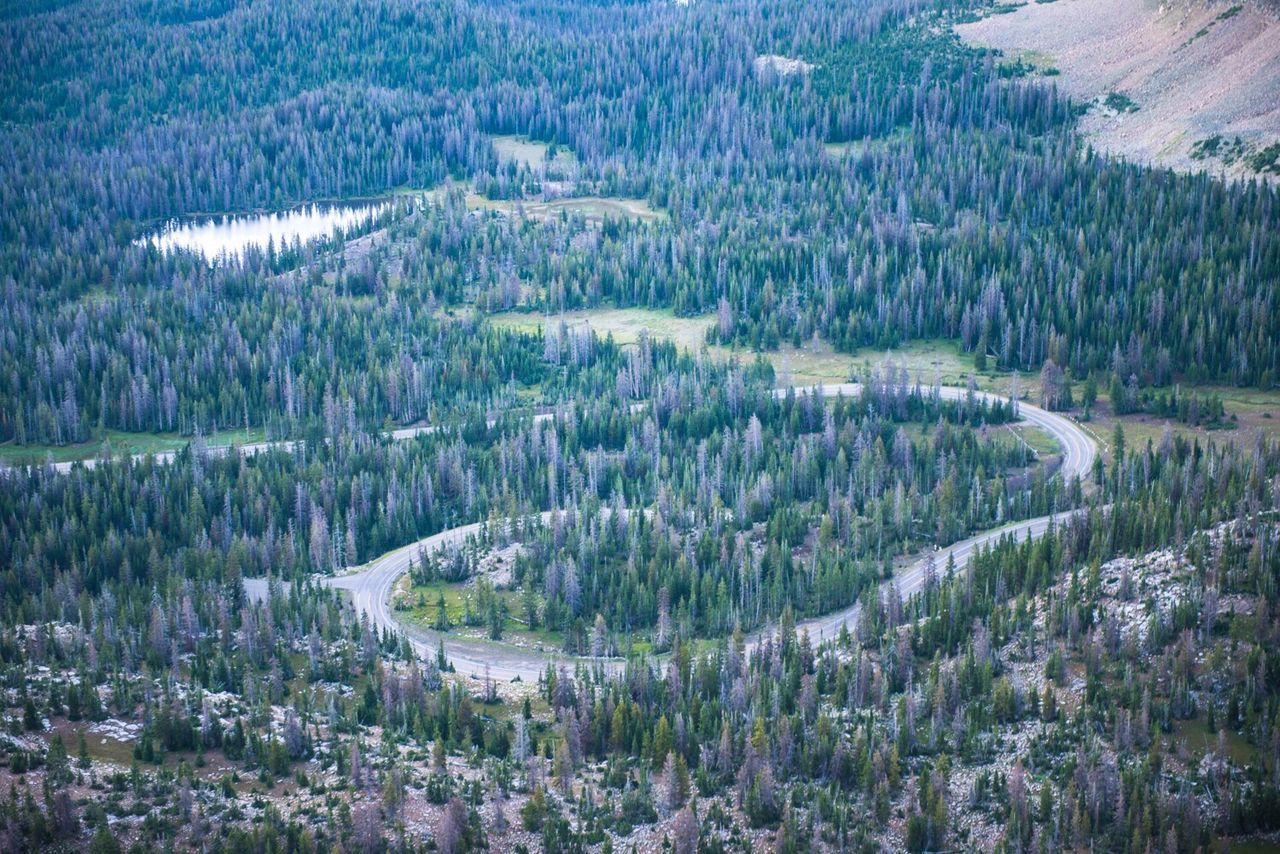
{"points": [[421, 601], [624, 324], [593, 209], [106, 748], [856, 147], [121, 442], [1254, 409], [528, 152], [1247, 411], [1038, 440], [816, 362], [1199, 741], [420, 604], [929, 359]]}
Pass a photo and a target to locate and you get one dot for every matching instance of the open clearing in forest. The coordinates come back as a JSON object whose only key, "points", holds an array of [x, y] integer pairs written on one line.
{"points": [[1161, 78], [855, 148], [1247, 411], [1036, 439], [1194, 734], [527, 152], [624, 324], [816, 362], [594, 209], [121, 443], [928, 359], [419, 605]]}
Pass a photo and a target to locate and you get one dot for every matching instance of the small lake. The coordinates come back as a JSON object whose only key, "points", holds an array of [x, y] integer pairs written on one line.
{"points": [[232, 233]]}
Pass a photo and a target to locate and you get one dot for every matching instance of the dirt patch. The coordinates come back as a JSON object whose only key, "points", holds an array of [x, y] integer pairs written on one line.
{"points": [[1161, 79]]}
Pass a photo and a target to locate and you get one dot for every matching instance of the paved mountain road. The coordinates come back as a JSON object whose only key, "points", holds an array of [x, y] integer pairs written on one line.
{"points": [[371, 586]]}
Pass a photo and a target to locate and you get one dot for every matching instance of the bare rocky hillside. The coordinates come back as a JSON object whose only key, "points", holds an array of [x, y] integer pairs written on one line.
{"points": [[1187, 85]]}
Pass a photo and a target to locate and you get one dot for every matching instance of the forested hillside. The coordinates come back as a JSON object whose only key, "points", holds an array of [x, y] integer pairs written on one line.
{"points": [[962, 206], [476, 587]]}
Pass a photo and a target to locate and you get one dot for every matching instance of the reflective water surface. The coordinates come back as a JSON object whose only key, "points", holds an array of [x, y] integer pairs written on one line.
{"points": [[231, 234]]}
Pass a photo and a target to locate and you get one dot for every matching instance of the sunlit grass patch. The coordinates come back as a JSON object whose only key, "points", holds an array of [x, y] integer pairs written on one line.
{"points": [[1194, 733], [120, 442], [1036, 439], [624, 324], [528, 152], [593, 209], [816, 362]]}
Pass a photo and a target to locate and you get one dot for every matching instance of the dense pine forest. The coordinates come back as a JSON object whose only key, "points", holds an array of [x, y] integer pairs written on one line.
{"points": [[611, 561], [963, 206]]}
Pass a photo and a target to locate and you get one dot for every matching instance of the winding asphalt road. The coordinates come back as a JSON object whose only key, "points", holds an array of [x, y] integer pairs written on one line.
{"points": [[1078, 454], [371, 586]]}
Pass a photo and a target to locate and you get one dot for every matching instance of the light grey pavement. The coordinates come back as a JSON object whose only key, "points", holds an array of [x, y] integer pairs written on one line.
{"points": [[371, 586]]}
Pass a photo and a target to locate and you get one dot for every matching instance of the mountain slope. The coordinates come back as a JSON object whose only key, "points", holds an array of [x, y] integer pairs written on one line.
{"points": [[1182, 75]]}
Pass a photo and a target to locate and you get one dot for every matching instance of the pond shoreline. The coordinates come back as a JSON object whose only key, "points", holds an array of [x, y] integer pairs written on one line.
{"points": [[231, 234]]}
